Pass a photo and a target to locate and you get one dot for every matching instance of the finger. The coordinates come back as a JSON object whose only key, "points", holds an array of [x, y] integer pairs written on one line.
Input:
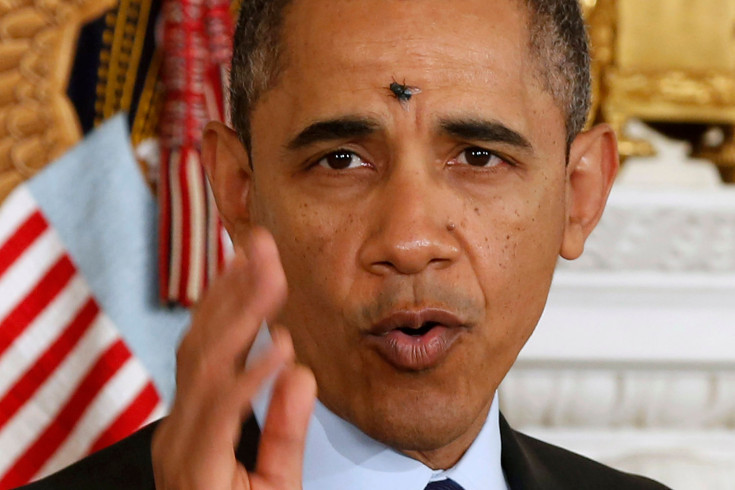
{"points": [[208, 426], [266, 293], [253, 295], [281, 450], [258, 372], [269, 279], [229, 318], [223, 412], [220, 305], [238, 253]]}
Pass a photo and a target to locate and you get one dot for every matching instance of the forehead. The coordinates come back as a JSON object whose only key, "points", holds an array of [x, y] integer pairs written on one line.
{"points": [[405, 34], [394, 20], [340, 56]]}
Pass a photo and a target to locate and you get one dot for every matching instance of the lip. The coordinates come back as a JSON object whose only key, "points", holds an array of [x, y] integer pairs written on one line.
{"points": [[415, 352]]}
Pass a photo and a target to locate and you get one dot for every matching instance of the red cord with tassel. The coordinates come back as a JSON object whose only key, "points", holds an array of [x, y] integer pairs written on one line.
{"points": [[197, 47]]}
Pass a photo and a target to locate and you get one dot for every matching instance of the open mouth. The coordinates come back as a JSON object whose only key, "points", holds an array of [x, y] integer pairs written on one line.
{"points": [[416, 323], [417, 332], [416, 340]]}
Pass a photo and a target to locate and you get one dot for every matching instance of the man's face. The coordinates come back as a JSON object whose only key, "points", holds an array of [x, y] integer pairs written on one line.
{"points": [[444, 213]]}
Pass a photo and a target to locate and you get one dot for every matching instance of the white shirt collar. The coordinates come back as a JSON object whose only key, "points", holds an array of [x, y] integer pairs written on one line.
{"points": [[338, 455]]}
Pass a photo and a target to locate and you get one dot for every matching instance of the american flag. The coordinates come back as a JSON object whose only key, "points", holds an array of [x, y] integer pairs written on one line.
{"points": [[69, 385]]}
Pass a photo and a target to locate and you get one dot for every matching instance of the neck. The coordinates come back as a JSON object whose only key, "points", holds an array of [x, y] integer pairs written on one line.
{"points": [[447, 456]]}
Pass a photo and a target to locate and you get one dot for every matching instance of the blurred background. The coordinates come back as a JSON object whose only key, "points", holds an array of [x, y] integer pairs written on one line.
{"points": [[633, 361], [108, 234]]}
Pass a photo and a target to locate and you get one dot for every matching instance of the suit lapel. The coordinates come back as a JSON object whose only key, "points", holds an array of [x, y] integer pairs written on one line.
{"points": [[521, 465]]}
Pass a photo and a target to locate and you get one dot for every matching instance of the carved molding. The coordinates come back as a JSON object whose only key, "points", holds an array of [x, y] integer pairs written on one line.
{"points": [[619, 399], [701, 90], [37, 45], [668, 232]]}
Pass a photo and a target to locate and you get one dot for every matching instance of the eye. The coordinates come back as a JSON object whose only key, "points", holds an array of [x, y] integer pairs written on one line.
{"points": [[479, 157], [341, 160]]}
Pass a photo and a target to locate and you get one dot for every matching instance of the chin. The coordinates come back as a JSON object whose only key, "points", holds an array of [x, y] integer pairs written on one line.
{"points": [[419, 419], [417, 431]]}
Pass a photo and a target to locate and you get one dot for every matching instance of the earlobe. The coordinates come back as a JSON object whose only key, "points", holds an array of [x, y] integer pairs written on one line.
{"points": [[593, 163], [227, 165]]}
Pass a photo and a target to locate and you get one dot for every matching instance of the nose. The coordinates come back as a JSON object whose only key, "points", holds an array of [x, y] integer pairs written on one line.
{"points": [[412, 230]]}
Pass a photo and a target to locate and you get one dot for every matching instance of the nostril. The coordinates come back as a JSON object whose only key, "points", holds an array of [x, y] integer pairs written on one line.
{"points": [[440, 262], [383, 267]]}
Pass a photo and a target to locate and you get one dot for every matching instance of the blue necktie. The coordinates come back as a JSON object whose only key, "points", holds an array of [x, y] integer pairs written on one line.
{"points": [[443, 485]]}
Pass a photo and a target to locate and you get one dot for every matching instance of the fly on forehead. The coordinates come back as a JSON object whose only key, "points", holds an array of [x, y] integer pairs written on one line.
{"points": [[403, 92]]}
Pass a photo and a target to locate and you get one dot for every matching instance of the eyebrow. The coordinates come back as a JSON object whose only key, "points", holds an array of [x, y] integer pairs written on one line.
{"points": [[333, 129], [483, 130]]}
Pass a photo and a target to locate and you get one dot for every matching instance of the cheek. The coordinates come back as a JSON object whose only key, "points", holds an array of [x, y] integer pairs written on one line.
{"points": [[318, 252], [305, 240], [516, 236], [518, 243], [314, 241]]}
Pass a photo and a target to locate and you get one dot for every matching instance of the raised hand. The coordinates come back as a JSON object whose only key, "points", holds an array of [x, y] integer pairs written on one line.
{"points": [[194, 447]]}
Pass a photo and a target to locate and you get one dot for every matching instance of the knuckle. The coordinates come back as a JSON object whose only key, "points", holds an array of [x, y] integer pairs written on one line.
{"points": [[205, 368]]}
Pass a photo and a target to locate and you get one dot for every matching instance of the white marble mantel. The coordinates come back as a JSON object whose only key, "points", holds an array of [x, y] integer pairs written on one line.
{"points": [[633, 361]]}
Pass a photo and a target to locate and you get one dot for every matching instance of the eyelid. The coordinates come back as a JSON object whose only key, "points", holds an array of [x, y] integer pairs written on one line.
{"points": [[501, 156], [316, 161]]}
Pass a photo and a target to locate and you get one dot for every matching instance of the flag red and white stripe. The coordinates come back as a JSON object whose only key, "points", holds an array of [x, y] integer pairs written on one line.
{"points": [[69, 385]]}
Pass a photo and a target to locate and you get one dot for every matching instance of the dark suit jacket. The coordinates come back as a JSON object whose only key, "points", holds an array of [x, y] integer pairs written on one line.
{"points": [[528, 463]]}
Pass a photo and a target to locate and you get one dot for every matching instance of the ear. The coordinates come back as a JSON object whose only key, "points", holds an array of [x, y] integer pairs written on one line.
{"points": [[228, 169], [593, 163]]}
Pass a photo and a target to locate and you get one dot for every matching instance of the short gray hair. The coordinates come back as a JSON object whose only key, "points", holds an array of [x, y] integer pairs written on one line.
{"points": [[558, 41]]}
